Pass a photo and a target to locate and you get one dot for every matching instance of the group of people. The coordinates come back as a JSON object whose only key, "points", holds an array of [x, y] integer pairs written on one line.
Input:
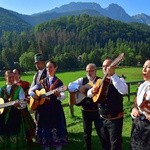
{"points": [[17, 127]]}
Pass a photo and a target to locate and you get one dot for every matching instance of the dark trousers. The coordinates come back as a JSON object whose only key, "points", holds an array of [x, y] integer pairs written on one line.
{"points": [[88, 118], [111, 134]]}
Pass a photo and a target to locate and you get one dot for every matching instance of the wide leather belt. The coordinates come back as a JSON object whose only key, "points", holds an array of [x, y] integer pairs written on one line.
{"points": [[109, 117]]}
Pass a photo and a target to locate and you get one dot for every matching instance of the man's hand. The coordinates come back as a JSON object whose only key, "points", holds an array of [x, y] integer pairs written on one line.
{"points": [[95, 90], [82, 89], [110, 70]]}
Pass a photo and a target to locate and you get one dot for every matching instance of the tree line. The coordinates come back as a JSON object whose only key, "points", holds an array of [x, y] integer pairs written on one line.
{"points": [[74, 41]]}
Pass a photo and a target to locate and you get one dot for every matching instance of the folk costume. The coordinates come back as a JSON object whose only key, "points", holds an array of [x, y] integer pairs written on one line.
{"points": [[140, 134], [29, 123], [51, 124], [90, 112], [111, 113], [12, 129]]}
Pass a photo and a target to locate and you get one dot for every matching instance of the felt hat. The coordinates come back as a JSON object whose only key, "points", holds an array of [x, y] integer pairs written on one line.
{"points": [[38, 57]]}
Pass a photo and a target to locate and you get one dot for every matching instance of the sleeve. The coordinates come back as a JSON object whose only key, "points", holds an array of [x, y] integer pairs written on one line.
{"points": [[33, 82], [119, 84], [21, 94], [74, 86], [32, 89], [22, 103]]}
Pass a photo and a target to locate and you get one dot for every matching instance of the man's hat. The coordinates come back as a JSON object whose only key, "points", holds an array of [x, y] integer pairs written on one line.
{"points": [[38, 57]]}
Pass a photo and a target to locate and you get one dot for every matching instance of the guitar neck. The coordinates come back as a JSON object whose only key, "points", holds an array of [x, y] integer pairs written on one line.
{"points": [[7, 104], [61, 88], [104, 77], [48, 93]]}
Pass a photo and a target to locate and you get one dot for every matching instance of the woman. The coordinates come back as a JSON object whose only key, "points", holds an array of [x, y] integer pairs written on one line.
{"points": [[12, 130], [27, 118], [51, 123], [140, 134]]}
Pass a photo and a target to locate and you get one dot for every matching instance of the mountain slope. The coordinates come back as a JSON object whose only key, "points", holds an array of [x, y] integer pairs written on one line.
{"points": [[10, 22]]}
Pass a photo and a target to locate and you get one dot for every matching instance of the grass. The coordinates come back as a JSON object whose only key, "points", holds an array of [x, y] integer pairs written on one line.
{"points": [[74, 124]]}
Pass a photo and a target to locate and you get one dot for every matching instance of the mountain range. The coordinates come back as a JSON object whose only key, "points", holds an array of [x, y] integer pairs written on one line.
{"points": [[113, 11]]}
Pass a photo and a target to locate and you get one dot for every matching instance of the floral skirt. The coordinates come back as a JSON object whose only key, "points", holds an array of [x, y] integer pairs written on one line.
{"points": [[14, 142], [140, 134], [51, 137]]}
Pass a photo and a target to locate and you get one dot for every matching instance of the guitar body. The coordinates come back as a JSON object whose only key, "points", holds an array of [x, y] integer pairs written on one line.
{"points": [[1, 102], [42, 96], [76, 97], [102, 92], [35, 103]]}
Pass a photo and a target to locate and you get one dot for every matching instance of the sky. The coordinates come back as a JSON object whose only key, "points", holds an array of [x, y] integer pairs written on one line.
{"points": [[29, 7]]}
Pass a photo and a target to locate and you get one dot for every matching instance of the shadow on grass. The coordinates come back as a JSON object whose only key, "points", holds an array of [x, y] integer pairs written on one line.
{"points": [[76, 143]]}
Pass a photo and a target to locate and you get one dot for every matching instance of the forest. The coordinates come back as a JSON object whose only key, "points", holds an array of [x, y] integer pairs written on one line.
{"points": [[74, 41]]}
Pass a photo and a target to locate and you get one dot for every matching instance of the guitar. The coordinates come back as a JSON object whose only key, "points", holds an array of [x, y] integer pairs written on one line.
{"points": [[103, 82], [42, 94], [77, 97], [3, 104]]}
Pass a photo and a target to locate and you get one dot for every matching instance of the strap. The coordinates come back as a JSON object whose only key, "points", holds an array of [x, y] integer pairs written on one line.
{"points": [[108, 117]]}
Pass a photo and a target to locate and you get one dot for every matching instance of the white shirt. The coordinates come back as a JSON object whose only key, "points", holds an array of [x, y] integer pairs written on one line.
{"points": [[119, 84], [39, 86]]}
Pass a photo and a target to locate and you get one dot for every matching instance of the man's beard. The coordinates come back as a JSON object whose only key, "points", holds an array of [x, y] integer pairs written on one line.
{"points": [[91, 78]]}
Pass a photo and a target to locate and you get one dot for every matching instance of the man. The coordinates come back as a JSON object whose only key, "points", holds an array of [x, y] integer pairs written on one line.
{"points": [[41, 67], [12, 129], [89, 108], [41, 73], [111, 107]]}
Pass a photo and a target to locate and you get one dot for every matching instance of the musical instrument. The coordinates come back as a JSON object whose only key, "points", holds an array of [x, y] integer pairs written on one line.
{"points": [[145, 107], [77, 97], [42, 95], [103, 84], [3, 104]]}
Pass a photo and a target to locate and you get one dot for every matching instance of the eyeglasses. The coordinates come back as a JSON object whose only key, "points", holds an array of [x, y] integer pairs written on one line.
{"points": [[90, 71], [105, 66]]}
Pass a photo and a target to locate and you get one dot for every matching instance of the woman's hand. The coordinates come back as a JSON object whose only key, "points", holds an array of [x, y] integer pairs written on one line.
{"points": [[135, 112]]}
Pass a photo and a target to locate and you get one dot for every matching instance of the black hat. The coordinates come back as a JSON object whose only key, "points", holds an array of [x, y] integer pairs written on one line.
{"points": [[38, 57]]}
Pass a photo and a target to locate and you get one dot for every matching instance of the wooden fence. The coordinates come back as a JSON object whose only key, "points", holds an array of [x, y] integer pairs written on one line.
{"points": [[131, 89]]}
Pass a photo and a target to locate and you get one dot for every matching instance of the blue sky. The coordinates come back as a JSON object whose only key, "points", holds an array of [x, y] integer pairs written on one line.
{"points": [[29, 7]]}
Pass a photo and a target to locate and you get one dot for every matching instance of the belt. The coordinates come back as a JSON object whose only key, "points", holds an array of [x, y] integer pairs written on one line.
{"points": [[109, 117], [90, 109]]}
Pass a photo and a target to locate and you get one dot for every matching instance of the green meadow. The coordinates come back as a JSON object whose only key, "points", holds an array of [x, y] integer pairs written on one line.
{"points": [[74, 123]]}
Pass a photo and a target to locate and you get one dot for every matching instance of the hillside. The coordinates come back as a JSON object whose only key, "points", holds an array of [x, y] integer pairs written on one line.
{"points": [[10, 22]]}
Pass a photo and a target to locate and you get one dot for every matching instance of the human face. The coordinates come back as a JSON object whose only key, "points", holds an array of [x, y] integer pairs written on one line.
{"points": [[40, 65], [16, 75], [91, 72], [51, 69], [105, 65], [146, 71], [9, 77]]}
